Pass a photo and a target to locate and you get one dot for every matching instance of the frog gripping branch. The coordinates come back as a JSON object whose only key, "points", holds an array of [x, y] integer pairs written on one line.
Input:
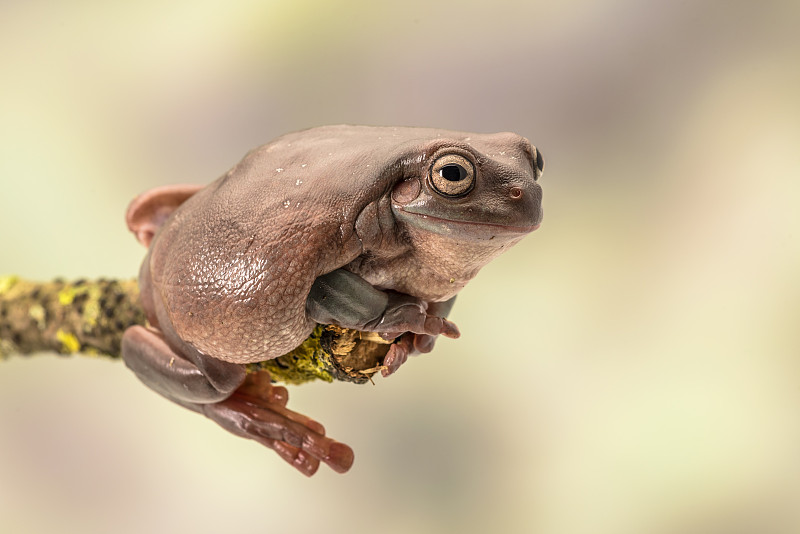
{"points": [[364, 229]]}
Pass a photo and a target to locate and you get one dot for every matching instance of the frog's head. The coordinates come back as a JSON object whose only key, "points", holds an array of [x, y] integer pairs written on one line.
{"points": [[474, 189]]}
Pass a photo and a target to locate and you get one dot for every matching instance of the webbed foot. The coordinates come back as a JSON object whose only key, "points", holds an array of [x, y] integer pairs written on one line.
{"points": [[257, 410]]}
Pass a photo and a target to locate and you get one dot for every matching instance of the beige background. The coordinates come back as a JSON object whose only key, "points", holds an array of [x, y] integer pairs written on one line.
{"points": [[633, 367]]}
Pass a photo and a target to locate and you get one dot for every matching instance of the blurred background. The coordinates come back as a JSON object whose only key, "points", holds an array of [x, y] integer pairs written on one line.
{"points": [[632, 367]]}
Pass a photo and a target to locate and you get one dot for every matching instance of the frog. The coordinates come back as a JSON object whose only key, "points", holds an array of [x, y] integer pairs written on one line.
{"points": [[365, 227]]}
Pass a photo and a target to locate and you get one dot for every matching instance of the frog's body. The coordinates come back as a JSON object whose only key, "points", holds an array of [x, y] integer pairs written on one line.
{"points": [[369, 228]]}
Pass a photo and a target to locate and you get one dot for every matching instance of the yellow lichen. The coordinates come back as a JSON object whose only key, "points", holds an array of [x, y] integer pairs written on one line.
{"points": [[91, 307], [7, 282], [68, 294], [303, 364], [69, 343], [37, 313], [91, 311], [93, 352]]}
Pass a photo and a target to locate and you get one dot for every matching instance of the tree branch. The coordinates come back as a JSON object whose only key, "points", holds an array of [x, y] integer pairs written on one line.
{"points": [[89, 317]]}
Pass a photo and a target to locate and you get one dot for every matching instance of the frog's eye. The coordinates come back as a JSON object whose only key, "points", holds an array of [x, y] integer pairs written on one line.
{"points": [[539, 161], [452, 175]]}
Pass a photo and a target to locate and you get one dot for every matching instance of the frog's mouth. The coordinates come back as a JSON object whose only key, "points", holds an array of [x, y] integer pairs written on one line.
{"points": [[473, 230]]}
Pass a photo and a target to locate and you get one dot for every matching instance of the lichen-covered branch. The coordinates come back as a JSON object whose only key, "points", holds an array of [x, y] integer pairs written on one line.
{"points": [[90, 316], [66, 317]]}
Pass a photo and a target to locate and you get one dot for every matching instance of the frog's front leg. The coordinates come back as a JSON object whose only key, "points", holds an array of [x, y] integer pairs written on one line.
{"points": [[246, 405], [345, 299], [410, 343]]}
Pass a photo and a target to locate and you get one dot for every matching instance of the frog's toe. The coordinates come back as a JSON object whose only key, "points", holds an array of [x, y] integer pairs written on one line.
{"points": [[449, 329], [434, 326], [398, 354]]}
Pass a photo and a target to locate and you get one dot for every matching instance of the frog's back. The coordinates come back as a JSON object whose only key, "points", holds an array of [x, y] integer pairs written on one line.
{"points": [[235, 263]]}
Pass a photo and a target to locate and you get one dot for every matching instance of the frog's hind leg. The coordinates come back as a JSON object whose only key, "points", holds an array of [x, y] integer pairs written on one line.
{"points": [[163, 370], [246, 405]]}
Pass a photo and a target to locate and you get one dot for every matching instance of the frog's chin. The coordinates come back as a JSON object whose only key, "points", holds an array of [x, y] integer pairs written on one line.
{"points": [[466, 230]]}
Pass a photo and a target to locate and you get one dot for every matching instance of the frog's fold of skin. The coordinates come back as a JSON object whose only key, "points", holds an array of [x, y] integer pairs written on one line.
{"points": [[374, 228]]}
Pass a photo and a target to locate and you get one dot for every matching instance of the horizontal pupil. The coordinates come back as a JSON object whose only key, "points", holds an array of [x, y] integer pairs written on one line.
{"points": [[453, 172]]}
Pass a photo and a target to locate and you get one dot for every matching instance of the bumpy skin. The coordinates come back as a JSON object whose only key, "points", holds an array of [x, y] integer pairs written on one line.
{"points": [[365, 227]]}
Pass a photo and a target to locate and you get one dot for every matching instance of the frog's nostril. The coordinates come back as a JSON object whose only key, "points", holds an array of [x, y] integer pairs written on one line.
{"points": [[515, 192]]}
